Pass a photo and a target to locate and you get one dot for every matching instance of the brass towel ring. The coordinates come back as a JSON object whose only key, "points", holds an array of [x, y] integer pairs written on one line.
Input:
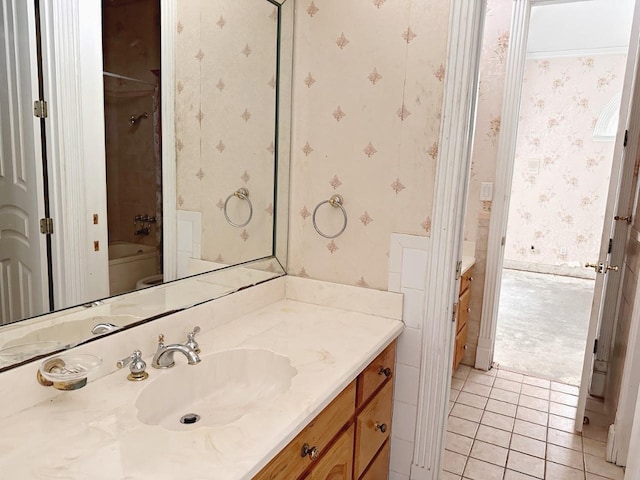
{"points": [[242, 194], [335, 201]]}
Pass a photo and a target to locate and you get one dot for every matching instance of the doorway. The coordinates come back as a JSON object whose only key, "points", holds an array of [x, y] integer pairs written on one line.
{"points": [[132, 101], [569, 105], [538, 155]]}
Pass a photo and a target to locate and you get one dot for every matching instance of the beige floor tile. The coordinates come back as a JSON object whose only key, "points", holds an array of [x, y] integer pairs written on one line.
{"points": [[489, 453], [504, 395], [457, 383], [601, 467], [495, 436], [561, 472], [564, 439], [507, 385], [531, 430], [537, 392], [507, 375], [536, 382], [453, 394], [503, 408], [462, 427], [535, 403], [564, 388], [451, 405], [481, 379], [565, 456], [562, 423], [512, 475], [562, 410], [468, 413], [453, 462], [479, 470], [531, 415], [523, 463], [449, 476], [497, 421], [462, 372], [472, 400], [593, 476], [595, 432], [530, 446], [594, 447], [564, 398], [457, 443], [477, 389]]}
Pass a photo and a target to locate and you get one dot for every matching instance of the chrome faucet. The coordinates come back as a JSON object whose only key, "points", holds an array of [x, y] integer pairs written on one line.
{"points": [[164, 354]]}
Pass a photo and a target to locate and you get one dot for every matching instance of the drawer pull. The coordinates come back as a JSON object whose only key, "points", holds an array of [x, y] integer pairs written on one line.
{"points": [[313, 452], [468, 309], [385, 371], [471, 279], [382, 427]]}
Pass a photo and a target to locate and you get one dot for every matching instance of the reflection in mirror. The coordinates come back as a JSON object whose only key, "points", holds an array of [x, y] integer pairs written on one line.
{"points": [[229, 85]]}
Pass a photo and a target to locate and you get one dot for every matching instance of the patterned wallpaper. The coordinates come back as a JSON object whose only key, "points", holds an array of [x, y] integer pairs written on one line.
{"points": [[368, 89], [561, 174], [225, 121]]}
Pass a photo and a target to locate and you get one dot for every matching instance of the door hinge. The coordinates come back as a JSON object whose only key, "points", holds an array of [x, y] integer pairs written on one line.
{"points": [[46, 226], [40, 109], [610, 245], [595, 346], [626, 138], [455, 312], [458, 269]]}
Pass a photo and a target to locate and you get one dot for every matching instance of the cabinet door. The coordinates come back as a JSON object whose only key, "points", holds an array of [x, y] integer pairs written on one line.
{"points": [[337, 463]]}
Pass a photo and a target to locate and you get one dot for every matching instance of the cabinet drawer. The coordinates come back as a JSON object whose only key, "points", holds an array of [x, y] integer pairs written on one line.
{"points": [[461, 341], [376, 373], [373, 426], [289, 463], [466, 279], [379, 468], [337, 464], [463, 309]]}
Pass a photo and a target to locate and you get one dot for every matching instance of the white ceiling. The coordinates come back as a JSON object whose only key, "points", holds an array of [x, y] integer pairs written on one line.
{"points": [[580, 26]]}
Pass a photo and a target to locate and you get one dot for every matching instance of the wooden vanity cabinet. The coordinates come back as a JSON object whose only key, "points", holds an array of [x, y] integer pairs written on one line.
{"points": [[462, 316], [349, 439]]}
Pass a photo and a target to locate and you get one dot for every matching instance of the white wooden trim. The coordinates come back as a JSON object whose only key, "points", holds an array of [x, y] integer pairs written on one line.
{"points": [[168, 23], [73, 131], [446, 238], [504, 174]]}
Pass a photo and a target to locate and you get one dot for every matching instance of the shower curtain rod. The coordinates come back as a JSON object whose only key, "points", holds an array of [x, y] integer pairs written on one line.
{"points": [[122, 77]]}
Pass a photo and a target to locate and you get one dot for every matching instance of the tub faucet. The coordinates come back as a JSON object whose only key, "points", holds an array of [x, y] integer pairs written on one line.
{"points": [[164, 354]]}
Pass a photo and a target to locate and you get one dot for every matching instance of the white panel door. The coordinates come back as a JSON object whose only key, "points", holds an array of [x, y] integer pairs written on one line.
{"points": [[23, 268]]}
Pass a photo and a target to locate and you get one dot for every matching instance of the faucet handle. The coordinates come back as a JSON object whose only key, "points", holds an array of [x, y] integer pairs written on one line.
{"points": [[160, 339], [137, 366], [191, 341]]}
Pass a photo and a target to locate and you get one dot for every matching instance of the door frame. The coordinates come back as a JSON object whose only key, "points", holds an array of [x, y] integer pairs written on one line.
{"points": [[504, 175]]}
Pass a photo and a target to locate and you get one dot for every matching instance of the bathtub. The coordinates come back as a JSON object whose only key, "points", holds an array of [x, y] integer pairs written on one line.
{"points": [[128, 263]]}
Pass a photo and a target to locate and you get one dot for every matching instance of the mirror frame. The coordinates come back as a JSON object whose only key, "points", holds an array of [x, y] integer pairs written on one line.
{"points": [[65, 40]]}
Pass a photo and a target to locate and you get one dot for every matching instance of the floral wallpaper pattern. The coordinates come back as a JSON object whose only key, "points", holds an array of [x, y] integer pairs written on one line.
{"points": [[225, 122], [561, 174], [368, 89]]}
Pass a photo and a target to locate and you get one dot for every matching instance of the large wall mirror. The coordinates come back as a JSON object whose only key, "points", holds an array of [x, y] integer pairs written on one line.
{"points": [[162, 153]]}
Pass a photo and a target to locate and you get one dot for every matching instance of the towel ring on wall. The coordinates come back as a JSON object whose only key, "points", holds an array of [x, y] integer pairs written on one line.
{"points": [[242, 194], [335, 201]]}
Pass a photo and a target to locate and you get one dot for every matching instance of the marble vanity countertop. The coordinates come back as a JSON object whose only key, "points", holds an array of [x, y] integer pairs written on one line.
{"points": [[468, 261], [95, 433]]}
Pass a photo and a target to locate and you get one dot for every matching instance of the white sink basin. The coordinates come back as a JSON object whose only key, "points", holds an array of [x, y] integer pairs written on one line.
{"points": [[222, 388]]}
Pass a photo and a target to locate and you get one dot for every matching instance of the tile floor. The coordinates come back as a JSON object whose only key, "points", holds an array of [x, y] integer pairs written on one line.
{"points": [[508, 426]]}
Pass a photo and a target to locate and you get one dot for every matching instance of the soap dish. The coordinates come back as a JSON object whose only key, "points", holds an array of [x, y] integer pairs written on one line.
{"points": [[67, 372]]}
